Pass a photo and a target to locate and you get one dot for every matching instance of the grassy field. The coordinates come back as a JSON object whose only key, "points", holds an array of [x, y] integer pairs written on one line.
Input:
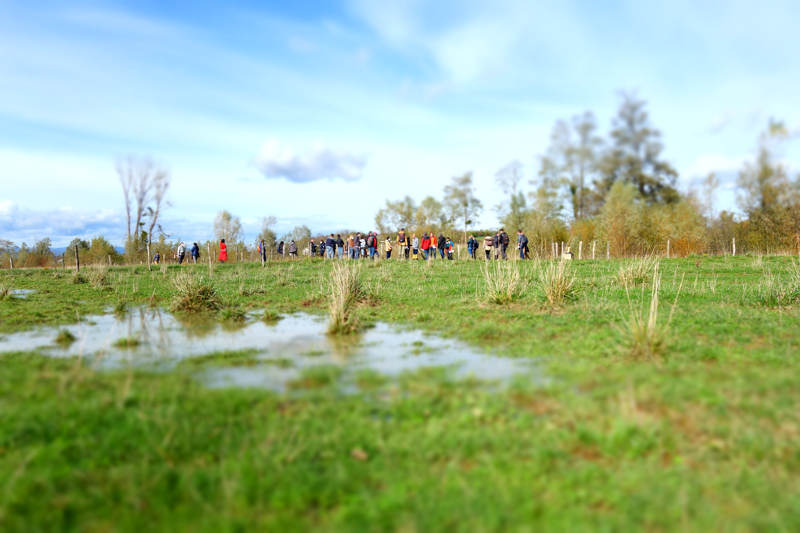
{"points": [[688, 420]]}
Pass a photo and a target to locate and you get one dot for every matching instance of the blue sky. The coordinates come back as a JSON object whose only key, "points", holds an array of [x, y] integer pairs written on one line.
{"points": [[316, 112]]}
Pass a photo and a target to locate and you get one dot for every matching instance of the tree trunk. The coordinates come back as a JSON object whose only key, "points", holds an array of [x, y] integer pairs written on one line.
{"points": [[77, 260]]}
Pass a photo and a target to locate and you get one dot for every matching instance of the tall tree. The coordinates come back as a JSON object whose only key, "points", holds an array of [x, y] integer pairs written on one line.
{"points": [[764, 184], [267, 234], [160, 182], [396, 215], [571, 160], [461, 202], [142, 181], [429, 214], [228, 227], [508, 179], [635, 156]]}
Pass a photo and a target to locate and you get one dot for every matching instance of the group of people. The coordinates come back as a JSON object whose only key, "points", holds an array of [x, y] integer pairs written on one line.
{"points": [[362, 246]]}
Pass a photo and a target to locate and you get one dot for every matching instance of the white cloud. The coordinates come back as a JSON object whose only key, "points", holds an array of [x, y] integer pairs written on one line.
{"points": [[319, 163], [19, 224]]}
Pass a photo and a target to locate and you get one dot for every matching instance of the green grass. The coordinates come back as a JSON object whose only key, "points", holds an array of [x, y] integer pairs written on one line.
{"points": [[703, 438]]}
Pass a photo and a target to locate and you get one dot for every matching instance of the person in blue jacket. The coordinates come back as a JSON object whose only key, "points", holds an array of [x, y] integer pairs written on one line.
{"points": [[195, 252]]}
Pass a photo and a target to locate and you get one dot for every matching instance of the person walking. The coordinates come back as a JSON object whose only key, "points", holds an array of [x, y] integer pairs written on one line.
{"points": [[223, 251], [339, 246], [388, 247], [504, 242], [488, 244], [292, 250], [312, 248], [449, 249], [195, 252], [434, 244], [372, 244], [156, 258], [522, 243], [415, 246], [281, 248], [181, 252], [472, 244], [425, 245], [441, 242], [362, 246], [330, 244]]}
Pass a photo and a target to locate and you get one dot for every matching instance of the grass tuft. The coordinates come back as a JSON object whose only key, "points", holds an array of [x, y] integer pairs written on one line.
{"points": [[557, 282], [65, 337], [645, 336], [346, 289], [194, 294], [502, 281], [636, 271], [127, 342], [97, 276], [6, 292]]}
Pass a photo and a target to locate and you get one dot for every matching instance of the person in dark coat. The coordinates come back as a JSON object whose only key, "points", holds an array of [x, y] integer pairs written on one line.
{"points": [[339, 246], [292, 249], [195, 252], [441, 243], [522, 243]]}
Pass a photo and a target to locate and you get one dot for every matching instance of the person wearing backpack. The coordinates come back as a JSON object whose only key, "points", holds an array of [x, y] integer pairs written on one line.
{"points": [[522, 243], [372, 244], [472, 245], [280, 249], [330, 244], [339, 246], [504, 242], [488, 243], [292, 249]]}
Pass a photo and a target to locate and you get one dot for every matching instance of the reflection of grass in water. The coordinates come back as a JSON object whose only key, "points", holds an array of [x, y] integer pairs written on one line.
{"points": [[271, 316], [65, 337], [313, 353], [232, 313], [316, 377], [244, 357], [280, 362], [127, 342], [369, 379]]}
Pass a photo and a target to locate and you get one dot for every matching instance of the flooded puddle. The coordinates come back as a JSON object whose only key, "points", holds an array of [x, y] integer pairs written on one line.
{"points": [[277, 354], [22, 293]]}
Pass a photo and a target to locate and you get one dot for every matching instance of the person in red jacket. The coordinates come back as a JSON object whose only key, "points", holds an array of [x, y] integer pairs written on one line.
{"points": [[425, 245], [223, 251]]}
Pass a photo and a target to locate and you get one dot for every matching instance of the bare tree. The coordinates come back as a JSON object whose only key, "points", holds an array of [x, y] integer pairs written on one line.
{"points": [[228, 227], [460, 199], [143, 181], [159, 183]]}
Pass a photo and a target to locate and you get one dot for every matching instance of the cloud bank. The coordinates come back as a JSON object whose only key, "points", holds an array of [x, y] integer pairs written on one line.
{"points": [[60, 225], [320, 163]]}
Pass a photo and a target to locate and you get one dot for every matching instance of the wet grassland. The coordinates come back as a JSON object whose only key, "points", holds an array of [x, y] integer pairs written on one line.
{"points": [[671, 401]]}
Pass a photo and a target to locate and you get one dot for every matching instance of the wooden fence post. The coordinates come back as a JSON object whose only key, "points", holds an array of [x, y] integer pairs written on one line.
{"points": [[208, 244], [149, 261], [109, 260], [580, 249], [608, 250], [594, 244], [77, 260], [667, 248], [734, 247], [11, 260]]}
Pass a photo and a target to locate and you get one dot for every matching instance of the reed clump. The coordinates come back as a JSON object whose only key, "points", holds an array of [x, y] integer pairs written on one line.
{"points": [[557, 282], [503, 282], [194, 294], [6, 292], [346, 290], [97, 276]]}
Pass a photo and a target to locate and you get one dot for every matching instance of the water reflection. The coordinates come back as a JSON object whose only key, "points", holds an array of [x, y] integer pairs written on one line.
{"points": [[284, 350]]}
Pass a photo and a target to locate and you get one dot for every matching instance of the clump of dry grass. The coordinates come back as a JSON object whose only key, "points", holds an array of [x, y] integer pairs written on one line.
{"points": [[6, 292], [637, 270], [97, 275], [346, 289], [644, 335], [557, 282], [503, 282], [194, 294]]}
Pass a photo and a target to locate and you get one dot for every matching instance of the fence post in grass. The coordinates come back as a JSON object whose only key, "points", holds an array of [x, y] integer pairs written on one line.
{"points": [[594, 243], [608, 250], [109, 260], [734, 247], [667, 248], [78, 261], [11, 260], [580, 249], [149, 261], [208, 245]]}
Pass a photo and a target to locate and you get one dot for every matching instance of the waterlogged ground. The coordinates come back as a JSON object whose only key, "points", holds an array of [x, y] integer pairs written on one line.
{"points": [[144, 422], [255, 353]]}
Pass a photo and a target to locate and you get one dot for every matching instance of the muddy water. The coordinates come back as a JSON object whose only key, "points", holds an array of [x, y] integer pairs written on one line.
{"points": [[297, 341]]}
